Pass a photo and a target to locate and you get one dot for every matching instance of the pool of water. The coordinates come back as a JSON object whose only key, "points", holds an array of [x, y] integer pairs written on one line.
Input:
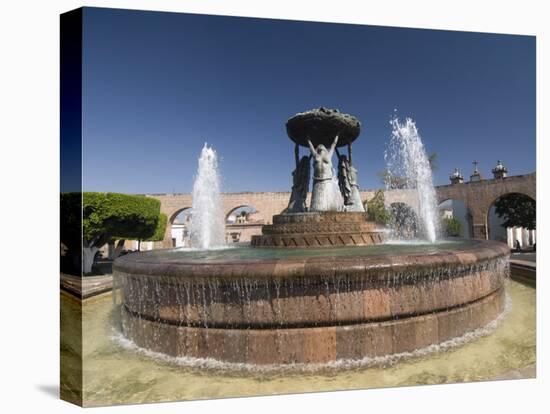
{"points": [[245, 252], [115, 374]]}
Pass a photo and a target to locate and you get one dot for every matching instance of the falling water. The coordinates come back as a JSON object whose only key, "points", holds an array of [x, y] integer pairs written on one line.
{"points": [[406, 158], [207, 224]]}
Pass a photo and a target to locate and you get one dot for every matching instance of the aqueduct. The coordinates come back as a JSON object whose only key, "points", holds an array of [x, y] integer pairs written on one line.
{"points": [[478, 197]]}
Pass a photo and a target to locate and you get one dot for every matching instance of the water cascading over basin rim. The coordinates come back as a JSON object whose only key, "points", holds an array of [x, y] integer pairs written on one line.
{"points": [[309, 309]]}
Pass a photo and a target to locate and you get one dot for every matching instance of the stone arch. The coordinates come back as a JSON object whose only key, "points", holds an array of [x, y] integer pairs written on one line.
{"points": [[242, 230], [480, 195], [443, 196], [265, 204], [508, 235], [177, 229], [172, 217], [253, 209]]}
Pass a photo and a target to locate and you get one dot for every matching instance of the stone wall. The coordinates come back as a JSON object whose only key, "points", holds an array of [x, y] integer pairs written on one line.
{"points": [[477, 196], [242, 232]]}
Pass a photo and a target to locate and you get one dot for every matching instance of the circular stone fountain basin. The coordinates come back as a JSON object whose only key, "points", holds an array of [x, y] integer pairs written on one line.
{"points": [[285, 306]]}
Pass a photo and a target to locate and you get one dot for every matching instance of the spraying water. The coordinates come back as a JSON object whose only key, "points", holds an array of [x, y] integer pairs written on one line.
{"points": [[207, 225], [407, 160]]}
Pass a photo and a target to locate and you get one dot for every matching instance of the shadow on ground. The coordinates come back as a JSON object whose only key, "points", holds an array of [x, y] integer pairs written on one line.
{"points": [[49, 389]]}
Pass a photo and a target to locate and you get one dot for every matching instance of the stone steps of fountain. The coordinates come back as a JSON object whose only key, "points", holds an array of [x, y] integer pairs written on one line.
{"points": [[322, 217], [317, 228], [320, 229], [318, 240]]}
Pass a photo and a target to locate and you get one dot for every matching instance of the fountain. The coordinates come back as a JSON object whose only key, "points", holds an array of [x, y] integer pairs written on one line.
{"points": [[336, 215], [208, 224], [318, 287], [407, 158]]}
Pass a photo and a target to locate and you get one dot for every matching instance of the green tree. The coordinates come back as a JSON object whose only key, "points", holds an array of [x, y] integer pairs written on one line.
{"points": [[160, 230], [432, 159], [89, 220], [517, 210], [451, 227], [116, 246], [376, 208]]}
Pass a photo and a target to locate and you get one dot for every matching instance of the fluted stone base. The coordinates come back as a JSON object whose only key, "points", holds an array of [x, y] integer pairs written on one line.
{"points": [[320, 229]]}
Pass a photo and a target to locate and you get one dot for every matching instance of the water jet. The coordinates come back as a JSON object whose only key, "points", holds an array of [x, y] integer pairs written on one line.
{"points": [[207, 224]]}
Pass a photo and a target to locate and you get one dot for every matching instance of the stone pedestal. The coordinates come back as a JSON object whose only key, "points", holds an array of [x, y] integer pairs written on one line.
{"points": [[320, 229]]}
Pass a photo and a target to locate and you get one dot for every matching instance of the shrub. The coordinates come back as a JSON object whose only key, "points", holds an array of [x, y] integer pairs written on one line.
{"points": [[376, 208], [451, 227]]}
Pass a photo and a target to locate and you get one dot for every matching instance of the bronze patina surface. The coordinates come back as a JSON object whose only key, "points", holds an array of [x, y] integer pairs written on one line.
{"points": [[321, 126]]}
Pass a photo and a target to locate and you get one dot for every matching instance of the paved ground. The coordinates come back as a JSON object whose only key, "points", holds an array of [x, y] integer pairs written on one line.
{"points": [[89, 286], [86, 287], [523, 268], [527, 256], [530, 371]]}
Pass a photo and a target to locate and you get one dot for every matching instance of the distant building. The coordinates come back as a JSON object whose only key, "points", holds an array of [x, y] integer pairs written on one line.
{"points": [[500, 171], [510, 235], [446, 213], [180, 235], [456, 177], [476, 175]]}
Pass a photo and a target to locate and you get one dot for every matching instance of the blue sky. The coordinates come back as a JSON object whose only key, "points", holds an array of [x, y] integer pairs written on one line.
{"points": [[156, 86]]}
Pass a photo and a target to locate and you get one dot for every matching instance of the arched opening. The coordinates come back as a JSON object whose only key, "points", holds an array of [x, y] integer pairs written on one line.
{"points": [[403, 221], [456, 219], [179, 227], [511, 219], [241, 215], [241, 223]]}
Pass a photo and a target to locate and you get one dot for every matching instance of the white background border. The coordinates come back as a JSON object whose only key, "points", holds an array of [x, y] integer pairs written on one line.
{"points": [[29, 163]]}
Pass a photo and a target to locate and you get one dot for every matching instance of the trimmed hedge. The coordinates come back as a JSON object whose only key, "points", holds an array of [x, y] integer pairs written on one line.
{"points": [[107, 216], [160, 229]]}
